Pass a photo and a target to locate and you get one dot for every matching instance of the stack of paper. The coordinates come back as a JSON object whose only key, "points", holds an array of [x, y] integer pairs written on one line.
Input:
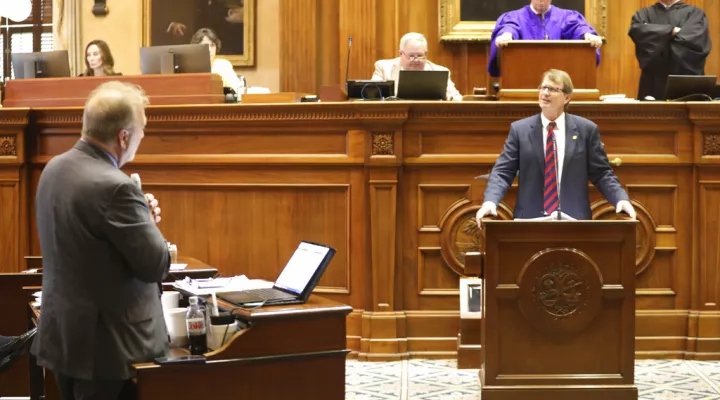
{"points": [[551, 217], [202, 287]]}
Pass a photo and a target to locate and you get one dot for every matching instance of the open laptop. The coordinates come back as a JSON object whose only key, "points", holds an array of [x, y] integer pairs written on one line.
{"points": [[296, 281], [679, 86], [422, 85]]}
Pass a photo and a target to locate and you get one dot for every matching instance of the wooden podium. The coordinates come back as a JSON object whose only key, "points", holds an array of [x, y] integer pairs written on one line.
{"points": [[522, 63], [559, 310]]}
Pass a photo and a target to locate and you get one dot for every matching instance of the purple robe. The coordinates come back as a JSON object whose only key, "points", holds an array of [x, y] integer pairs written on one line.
{"points": [[524, 24]]}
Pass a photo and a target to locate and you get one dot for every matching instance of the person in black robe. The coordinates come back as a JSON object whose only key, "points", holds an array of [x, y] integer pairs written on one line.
{"points": [[671, 38]]}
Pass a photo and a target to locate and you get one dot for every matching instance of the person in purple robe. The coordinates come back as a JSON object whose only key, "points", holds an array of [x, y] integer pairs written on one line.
{"points": [[539, 21]]}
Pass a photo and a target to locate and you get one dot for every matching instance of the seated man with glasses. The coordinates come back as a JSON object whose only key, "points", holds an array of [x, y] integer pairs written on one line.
{"points": [[554, 154], [413, 56]]}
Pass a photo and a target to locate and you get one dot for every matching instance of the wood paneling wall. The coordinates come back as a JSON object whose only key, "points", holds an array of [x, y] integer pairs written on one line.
{"points": [[391, 186], [314, 34]]}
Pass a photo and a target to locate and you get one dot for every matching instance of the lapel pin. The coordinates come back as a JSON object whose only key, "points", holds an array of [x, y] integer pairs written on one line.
{"points": [[575, 137]]}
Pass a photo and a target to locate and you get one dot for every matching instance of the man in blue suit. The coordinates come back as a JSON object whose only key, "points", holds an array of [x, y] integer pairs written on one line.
{"points": [[539, 146]]}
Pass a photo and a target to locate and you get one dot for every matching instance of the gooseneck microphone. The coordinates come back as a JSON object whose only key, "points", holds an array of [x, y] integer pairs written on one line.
{"points": [[557, 175], [347, 63]]}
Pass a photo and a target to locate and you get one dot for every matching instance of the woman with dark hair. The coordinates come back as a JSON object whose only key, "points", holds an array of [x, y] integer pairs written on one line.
{"points": [[220, 66], [99, 60]]}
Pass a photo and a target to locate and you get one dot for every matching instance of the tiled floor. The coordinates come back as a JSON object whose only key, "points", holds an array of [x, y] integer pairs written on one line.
{"points": [[440, 379]]}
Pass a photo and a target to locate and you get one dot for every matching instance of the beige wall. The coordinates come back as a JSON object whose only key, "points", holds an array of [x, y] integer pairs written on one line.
{"points": [[122, 29]]}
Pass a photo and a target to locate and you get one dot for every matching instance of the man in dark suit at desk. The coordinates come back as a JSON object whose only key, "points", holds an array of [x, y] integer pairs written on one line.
{"points": [[539, 146], [103, 255]]}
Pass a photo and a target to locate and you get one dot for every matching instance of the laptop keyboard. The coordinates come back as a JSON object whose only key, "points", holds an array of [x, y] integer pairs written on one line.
{"points": [[270, 293], [253, 295]]}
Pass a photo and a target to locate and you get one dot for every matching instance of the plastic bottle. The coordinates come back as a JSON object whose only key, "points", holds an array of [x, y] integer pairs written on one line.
{"points": [[197, 332]]}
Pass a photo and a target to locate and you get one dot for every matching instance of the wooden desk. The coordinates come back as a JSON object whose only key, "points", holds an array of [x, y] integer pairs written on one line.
{"points": [[287, 352], [72, 92], [391, 186], [16, 380]]}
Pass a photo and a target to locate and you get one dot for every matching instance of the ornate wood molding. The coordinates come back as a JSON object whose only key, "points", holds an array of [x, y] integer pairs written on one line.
{"points": [[383, 143], [711, 144], [8, 146], [645, 236]]}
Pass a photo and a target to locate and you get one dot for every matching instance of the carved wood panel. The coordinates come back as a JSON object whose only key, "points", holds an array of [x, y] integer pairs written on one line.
{"points": [[709, 234], [9, 225]]}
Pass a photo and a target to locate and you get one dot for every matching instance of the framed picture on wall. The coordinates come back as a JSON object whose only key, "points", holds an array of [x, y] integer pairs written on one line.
{"points": [[474, 20], [173, 22]]}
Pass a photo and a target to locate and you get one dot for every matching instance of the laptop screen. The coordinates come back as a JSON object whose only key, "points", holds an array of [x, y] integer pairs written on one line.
{"points": [[300, 269]]}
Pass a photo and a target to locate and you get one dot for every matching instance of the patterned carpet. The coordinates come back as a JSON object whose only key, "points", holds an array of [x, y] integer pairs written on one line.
{"points": [[440, 379]]}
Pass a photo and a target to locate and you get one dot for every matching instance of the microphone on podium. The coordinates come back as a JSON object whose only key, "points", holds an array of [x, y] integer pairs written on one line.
{"points": [[136, 180]]}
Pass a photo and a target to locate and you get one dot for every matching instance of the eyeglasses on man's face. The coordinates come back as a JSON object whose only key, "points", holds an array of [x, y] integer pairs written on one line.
{"points": [[415, 57], [551, 89]]}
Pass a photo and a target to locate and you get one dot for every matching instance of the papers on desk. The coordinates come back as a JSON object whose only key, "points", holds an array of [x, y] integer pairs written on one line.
{"points": [[209, 286], [38, 299], [177, 267], [551, 217]]}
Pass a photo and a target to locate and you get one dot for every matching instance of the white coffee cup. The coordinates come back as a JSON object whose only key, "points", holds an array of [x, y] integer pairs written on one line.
{"points": [[170, 299], [177, 329], [218, 335]]}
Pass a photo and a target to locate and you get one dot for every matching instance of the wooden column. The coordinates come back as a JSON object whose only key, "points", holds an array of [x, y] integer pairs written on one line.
{"points": [[383, 322], [13, 193]]}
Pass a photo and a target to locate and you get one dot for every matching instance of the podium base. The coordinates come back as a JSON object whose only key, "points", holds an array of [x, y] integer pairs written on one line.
{"points": [[558, 393]]}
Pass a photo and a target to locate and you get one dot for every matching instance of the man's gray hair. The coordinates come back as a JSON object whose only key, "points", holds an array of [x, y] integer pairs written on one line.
{"points": [[110, 108], [413, 37]]}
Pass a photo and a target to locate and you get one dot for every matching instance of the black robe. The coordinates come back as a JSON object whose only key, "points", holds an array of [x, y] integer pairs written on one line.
{"points": [[660, 53]]}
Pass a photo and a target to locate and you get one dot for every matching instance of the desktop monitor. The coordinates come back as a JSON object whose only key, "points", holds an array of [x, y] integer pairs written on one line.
{"points": [[370, 90], [422, 85], [47, 64], [680, 86], [180, 59]]}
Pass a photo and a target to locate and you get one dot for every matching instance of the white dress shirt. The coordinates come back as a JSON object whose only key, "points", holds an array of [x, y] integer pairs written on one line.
{"points": [[538, 12], [225, 69], [559, 139], [668, 6]]}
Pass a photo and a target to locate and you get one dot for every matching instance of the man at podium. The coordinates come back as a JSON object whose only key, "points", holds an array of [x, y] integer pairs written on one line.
{"points": [[539, 21], [554, 155]]}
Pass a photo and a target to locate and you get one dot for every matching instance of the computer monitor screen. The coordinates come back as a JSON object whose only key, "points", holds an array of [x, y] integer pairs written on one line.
{"points": [[422, 85], [679, 86], [370, 90], [180, 59], [47, 64]]}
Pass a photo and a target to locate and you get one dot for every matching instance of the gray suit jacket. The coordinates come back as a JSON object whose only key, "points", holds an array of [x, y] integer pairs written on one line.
{"points": [[102, 259], [585, 160]]}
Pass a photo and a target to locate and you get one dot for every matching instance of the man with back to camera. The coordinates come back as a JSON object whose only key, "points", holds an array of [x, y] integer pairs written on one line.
{"points": [[539, 20], [413, 57], [530, 152], [103, 255]]}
